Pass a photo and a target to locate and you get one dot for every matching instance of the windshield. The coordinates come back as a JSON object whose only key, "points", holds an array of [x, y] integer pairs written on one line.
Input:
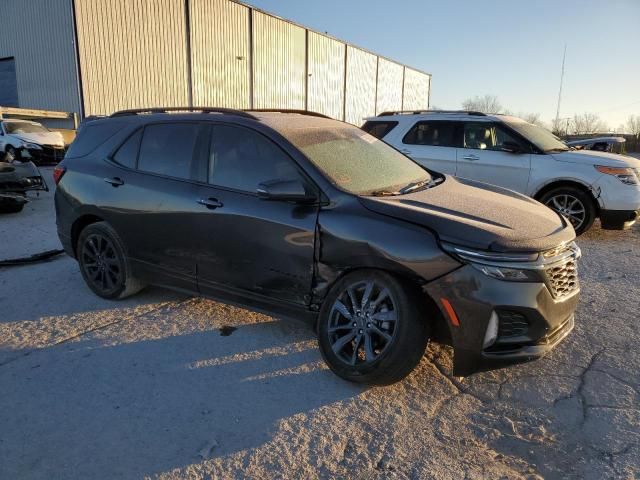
{"points": [[540, 137], [24, 127], [358, 162]]}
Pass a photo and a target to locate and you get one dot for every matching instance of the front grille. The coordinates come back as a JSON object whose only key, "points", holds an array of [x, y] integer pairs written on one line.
{"points": [[512, 324], [562, 278]]}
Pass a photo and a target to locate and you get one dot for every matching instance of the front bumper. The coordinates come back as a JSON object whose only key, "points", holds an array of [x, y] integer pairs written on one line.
{"points": [[618, 219], [531, 321]]}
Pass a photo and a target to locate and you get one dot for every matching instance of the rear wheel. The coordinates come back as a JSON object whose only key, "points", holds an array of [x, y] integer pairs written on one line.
{"points": [[575, 204], [103, 263], [372, 328]]}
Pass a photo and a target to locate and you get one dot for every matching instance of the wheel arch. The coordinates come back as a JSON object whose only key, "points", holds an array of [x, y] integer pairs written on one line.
{"points": [[542, 190], [439, 325], [80, 224]]}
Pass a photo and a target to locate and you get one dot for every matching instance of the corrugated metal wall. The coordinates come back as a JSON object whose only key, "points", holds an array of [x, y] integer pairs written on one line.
{"points": [[325, 84], [39, 34], [360, 95], [133, 53], [279, 57], [142, 53], [389, 93], [220, 53], [416, 90]]}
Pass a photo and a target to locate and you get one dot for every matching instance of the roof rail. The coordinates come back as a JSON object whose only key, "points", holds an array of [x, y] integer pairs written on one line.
{"points": [[143, 111], [419, 112], [287, 110]]}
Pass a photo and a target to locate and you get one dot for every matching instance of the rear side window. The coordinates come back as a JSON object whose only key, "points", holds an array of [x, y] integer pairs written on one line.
{"points": [[168, 149], [241, 159], [379, 129], [434, 134], [91, 136], [126, 155]]}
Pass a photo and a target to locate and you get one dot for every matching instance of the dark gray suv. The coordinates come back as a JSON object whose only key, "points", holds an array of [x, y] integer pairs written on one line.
{"points": [[302, 216]]}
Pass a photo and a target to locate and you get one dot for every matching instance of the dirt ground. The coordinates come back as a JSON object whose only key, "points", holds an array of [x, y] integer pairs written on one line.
{"points": [[158, 386]]}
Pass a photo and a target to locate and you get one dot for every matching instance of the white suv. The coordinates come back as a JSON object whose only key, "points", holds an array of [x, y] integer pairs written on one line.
{"points": [[511, 153]]}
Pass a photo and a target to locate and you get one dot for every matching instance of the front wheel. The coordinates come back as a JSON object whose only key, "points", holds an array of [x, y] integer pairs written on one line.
{"points": [[372, 328], [575, 204]]}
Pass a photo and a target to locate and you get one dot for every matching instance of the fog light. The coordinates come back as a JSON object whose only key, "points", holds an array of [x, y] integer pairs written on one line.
{"points": [[492, 331]]}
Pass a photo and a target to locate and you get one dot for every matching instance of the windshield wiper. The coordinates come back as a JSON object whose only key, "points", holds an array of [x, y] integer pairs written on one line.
{"points": [[382, 193], [414, 186]]}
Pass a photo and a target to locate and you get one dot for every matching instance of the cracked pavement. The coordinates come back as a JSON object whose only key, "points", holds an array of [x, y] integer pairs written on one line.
{"points": [[161, 386]]}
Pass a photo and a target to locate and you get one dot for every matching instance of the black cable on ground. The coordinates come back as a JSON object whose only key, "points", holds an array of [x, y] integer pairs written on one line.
{"points": [[35, 258]]}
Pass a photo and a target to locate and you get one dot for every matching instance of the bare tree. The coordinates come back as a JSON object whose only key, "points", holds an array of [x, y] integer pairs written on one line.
{"points": [[531, 118], [588, 123], [484, 104], [633, 125]]}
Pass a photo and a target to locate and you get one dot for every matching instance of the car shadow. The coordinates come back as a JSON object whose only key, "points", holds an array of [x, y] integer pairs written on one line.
{"points": [[90, 409]]}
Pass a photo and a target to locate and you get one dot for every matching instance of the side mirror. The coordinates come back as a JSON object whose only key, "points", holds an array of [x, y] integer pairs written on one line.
{"points": [[510, 147], [285, 190]]}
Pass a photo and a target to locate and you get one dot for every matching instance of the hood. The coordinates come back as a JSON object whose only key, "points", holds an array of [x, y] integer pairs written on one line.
{"points": [[478, 215], [43, 138], [591, 157]]}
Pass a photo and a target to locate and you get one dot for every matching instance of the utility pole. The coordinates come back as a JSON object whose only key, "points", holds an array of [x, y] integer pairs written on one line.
{"points": [[564, 56]]}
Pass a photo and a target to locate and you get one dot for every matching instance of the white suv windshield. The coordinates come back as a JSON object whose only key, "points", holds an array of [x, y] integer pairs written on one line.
{"points": [[540, 137]]}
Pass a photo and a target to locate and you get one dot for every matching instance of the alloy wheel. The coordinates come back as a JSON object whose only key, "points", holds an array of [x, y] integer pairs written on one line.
{"points": [[362, 322], [100, 263], [569, 206]]}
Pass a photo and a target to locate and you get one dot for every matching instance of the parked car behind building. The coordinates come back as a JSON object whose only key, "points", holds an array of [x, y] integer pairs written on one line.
{"points": [[312, 218], [511, 153]]}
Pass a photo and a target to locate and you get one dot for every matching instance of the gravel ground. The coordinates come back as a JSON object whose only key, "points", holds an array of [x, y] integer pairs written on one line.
{"points": [[159, 386]]}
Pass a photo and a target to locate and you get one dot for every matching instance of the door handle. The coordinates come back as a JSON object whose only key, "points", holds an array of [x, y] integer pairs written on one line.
{"points": [[210, 203], [115, 181], [471, 157]]}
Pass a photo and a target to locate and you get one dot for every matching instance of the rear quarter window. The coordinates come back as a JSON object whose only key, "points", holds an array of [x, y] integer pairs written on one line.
{"points": [[379, 129], [91, 136]]}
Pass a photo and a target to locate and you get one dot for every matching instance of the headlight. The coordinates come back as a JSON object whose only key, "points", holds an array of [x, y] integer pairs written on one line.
{"points": [[31, 146], [624, 174], [506, 273], [510, 267]]}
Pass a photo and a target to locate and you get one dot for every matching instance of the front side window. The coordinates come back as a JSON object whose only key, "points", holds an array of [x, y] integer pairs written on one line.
{"points": [[168, 149], [434, 134], [242, 159], [379, 129], [356, 161], [486, 136]]}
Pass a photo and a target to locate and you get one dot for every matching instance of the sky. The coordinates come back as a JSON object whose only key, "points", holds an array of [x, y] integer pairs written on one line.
{"points": [[511, 49]]}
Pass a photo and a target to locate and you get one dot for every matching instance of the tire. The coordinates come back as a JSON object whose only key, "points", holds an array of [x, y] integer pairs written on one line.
{"points": [[574, 203], [12, 208], [104, 264], [389, 358]]}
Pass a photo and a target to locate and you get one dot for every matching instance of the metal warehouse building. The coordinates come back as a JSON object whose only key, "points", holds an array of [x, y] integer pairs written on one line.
{"points": [[97, 56]]}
